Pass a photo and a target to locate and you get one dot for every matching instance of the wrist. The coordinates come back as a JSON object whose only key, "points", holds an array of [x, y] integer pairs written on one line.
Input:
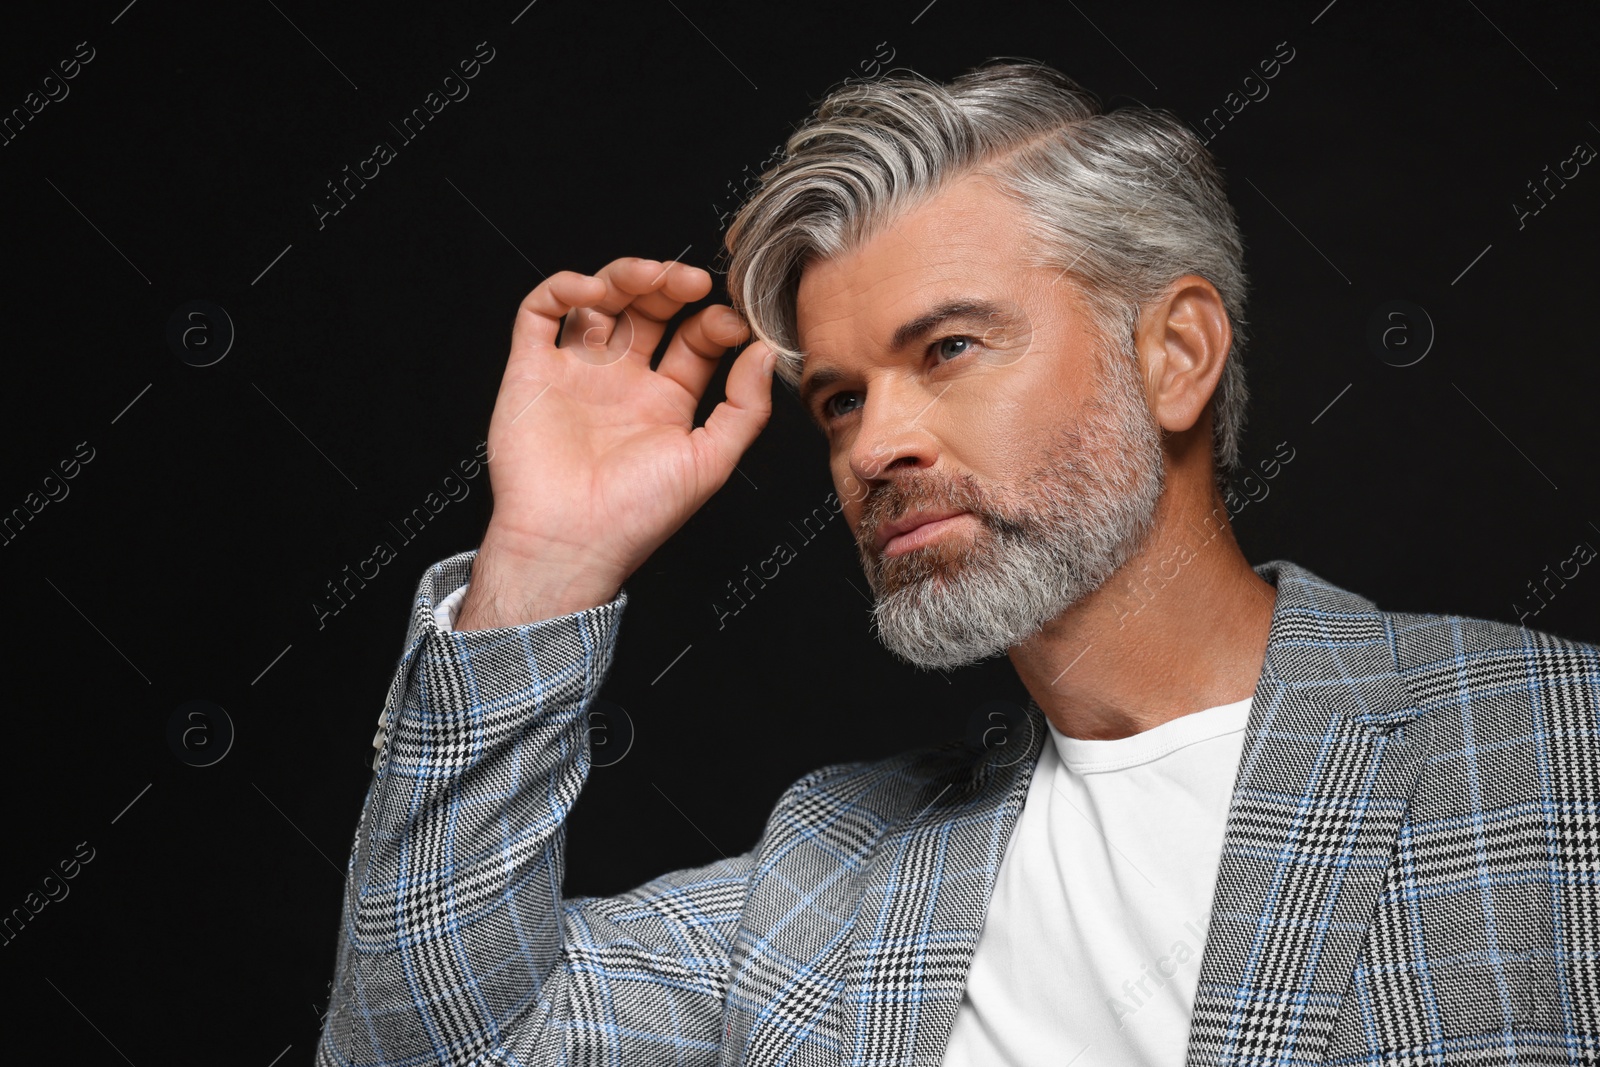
{"points": [[511, 587]]}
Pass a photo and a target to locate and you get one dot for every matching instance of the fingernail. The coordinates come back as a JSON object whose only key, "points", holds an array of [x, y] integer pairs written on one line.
{"points": [[768, 363]]}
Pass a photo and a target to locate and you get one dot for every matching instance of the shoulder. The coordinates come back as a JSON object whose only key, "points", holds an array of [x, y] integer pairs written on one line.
{"points": [[1490, 691], [1443, 657], [859, 801]]}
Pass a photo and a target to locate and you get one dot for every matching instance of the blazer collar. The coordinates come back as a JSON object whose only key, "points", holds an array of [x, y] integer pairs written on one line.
{"points": [[1323, 786], [1321, 791]]}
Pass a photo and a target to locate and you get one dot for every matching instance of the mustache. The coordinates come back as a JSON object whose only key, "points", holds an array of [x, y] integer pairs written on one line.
{"points": [[894, 500]]}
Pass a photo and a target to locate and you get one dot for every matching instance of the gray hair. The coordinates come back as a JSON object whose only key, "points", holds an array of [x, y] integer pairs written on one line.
{"points": [[1122, 202]]}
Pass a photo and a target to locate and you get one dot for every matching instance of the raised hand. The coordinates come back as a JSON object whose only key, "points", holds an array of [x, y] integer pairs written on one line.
{"points": [[594, 458]]}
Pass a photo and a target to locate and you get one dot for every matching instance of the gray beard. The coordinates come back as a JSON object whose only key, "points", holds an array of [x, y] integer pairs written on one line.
{"points": [[1065, 529]]}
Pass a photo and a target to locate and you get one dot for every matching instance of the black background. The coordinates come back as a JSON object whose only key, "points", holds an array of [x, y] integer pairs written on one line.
{"points": [[1383, 165]]}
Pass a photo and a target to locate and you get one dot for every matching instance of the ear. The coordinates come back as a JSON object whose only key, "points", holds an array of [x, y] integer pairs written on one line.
{"points": [[1183, 340]]}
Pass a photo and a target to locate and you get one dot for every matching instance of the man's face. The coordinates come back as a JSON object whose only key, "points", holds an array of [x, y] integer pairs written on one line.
{"points": [[998, 400]]}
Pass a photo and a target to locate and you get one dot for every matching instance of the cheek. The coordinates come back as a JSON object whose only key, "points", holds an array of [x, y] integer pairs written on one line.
{"points": [[852, 493], [988, 428], [850, 509]]}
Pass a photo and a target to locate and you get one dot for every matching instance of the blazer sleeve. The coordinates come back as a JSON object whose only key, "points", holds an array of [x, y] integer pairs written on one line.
{"points": [[455, 945]]}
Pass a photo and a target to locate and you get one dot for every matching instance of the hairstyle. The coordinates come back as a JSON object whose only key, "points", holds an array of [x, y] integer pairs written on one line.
{"points": [[1122, 202]]}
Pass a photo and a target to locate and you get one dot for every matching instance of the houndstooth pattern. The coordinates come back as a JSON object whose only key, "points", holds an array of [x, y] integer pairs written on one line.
{"points": [[1410, 871]]}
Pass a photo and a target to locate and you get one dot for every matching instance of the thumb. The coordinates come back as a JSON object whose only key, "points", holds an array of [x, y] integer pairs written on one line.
{"points": [[734, 424]]}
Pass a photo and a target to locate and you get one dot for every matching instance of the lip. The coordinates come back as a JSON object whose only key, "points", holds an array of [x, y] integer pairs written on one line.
{"points": [[891, 530]]}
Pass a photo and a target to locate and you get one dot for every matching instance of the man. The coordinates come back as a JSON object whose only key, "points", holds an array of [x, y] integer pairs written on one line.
{"points": [[1255, 819]]}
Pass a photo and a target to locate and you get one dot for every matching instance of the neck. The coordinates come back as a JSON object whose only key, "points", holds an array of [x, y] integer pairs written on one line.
{"points": [[1180, 627]]}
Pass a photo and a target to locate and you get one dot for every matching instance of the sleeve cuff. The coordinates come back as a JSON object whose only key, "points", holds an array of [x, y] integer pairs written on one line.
{"points": [[437, 604]]}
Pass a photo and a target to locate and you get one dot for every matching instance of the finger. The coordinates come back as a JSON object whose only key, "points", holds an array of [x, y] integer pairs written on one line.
{"points": [[538, 318], [643, 294], [684, 283], [657, 288], [608, 330], [596, 326], [622, 277], [697, 347], [735, 423]]}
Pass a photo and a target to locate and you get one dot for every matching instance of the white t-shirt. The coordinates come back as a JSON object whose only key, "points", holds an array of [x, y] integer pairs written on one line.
{"points": [[1090, 953]]}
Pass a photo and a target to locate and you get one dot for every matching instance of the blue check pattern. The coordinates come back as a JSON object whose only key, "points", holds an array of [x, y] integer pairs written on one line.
{"points": [[1410, 871]]}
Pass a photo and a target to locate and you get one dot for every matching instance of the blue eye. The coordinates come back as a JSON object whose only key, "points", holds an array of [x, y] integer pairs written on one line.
{"points": [[830, 411]]}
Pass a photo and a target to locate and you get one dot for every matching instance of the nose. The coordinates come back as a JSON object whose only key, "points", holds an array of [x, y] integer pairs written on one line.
{"points": [[893, 434]]}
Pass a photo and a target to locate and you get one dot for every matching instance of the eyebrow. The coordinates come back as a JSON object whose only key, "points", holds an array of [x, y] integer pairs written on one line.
{"points": [[966, 308]]}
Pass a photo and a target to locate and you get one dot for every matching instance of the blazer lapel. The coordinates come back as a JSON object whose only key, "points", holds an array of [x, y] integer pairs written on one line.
{"points": [[1322, 789], [924, 900]]}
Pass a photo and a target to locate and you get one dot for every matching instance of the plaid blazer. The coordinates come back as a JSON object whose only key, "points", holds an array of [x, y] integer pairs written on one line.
{"points": [[1410, 873]]}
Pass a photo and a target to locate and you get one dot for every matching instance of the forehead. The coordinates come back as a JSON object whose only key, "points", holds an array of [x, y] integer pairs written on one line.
{"points": [[964, 241]]}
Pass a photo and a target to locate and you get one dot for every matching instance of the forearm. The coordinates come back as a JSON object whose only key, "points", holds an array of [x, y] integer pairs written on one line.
{"points": [[450, 928]]}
